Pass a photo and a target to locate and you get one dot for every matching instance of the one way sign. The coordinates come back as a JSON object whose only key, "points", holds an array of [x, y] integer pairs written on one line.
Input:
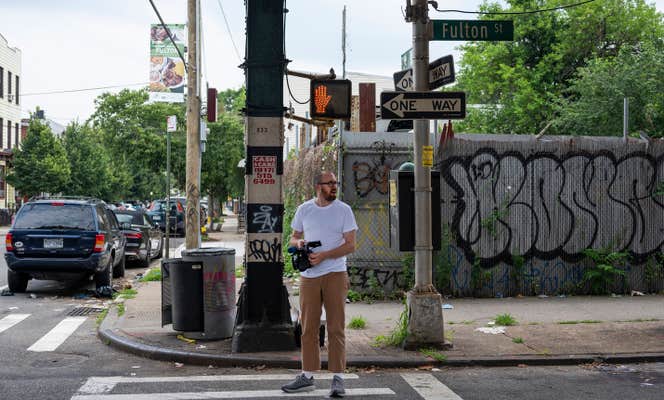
{"points": [[441, 72], [423, 105]]}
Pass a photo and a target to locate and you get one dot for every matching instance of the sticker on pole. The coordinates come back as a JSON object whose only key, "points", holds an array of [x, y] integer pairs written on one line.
{"points": [[427, 156], [171, 123]]}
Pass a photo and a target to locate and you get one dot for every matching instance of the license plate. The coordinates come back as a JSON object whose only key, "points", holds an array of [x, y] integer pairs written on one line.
{"points": [[53, 243], [157, 218]]}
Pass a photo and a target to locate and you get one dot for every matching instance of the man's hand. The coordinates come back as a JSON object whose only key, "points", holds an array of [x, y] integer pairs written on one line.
{"points": [[321, 98], [317, 258]]}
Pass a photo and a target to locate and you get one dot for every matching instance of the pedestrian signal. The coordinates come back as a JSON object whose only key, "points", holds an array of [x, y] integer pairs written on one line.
{"points": [[330, 99]]}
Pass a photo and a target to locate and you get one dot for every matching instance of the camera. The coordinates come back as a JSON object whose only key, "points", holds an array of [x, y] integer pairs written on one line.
{"points": [[300, 257]]}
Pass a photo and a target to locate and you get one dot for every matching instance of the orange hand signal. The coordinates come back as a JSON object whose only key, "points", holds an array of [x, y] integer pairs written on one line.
{"points": [[321, 99]]}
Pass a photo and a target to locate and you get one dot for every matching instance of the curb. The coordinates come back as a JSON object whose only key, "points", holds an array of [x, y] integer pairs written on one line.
{"points": [[110, 336]]}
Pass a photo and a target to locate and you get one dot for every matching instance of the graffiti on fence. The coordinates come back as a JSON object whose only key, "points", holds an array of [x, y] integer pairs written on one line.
{"points": [[547, 207], [386, 278]]}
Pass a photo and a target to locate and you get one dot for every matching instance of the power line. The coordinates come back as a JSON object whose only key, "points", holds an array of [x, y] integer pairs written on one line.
{"points": [[435, 6], [85, 89], [228, 28]]}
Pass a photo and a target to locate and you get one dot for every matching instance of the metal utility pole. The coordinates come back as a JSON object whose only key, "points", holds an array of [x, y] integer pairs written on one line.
{"points": [[263, 321], [425, 322], [192, 219]]}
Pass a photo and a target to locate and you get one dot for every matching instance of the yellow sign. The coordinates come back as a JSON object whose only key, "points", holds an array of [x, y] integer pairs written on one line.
{"points": [[393, 193], [427, 156]]}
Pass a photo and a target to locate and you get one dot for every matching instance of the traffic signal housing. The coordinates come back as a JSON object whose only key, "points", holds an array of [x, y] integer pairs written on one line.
{"points": [[330, 99]]}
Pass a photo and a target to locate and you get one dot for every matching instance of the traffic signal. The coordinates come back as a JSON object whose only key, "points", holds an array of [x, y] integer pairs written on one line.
{"points": [[330, 99]]}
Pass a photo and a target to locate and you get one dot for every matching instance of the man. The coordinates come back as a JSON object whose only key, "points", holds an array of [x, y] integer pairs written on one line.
{"points": [[326, 283]]}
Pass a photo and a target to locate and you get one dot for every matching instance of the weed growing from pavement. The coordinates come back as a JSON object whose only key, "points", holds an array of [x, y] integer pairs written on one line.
{"points": [[126, 293], [153, 275], [505, 320], [517, 340], [583, 321], [433, 353], [121, 309], [357, 322], [101, 316], [641, 320], [398, 335]]}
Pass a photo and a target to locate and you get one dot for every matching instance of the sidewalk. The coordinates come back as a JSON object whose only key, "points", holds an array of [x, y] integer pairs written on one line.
{"points": [[608, 329]]}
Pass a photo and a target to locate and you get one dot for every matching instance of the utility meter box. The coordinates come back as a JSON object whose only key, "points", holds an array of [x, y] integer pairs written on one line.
{"points": [[402, 210]]}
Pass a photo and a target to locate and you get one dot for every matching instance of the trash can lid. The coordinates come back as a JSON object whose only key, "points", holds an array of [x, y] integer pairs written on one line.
{"points": [[208, 251]]}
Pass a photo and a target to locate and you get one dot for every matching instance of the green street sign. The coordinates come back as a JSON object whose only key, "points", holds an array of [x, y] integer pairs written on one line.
{"points": [[473, 30]]}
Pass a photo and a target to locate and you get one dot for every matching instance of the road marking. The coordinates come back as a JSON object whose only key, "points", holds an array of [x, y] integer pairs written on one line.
{"points": [[53, 339], [11, 320], [237, 394], [104, 384], [430, 388]]}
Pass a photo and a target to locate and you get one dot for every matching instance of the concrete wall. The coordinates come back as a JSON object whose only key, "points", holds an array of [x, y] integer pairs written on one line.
{"points": [[506, 198]]}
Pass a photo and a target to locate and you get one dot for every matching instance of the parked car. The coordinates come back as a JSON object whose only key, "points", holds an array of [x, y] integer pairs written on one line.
{"points": [[64, 239], [143, 238], [157, 212]]}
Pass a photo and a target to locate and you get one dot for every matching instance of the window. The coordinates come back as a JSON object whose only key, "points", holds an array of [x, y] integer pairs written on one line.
{"points": [[2, 181], [9, 139], [2, 82], [38, 215], [9, 85], [1, 132], [17, 92], [17, 132]]}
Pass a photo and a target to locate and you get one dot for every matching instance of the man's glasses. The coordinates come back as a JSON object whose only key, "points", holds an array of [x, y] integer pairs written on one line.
{"points": [[330, 183]]}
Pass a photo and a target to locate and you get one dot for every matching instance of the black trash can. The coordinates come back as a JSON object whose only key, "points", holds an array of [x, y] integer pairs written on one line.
{"points": [[218, 288], [186, 296]]}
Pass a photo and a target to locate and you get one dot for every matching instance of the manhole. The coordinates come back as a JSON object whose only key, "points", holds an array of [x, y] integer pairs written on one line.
{"points": [[80, 311]]}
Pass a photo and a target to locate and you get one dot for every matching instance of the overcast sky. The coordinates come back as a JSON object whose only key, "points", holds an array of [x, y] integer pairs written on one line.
{"points": [[80, 44]]}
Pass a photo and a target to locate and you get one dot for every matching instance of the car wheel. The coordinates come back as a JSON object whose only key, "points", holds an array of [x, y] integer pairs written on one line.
{"points": [[119, 271], [17, 281], [103, 277], [146, 263]]}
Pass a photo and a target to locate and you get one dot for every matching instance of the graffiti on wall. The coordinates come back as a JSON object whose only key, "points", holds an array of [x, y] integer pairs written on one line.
{"points": [[548, 207]]}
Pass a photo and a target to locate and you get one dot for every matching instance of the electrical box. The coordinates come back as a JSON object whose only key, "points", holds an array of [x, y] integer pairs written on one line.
{"points": [[402, 210]]}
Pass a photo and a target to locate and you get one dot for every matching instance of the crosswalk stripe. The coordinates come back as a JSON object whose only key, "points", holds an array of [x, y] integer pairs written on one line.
{"points": [[430, 388], [237, 394], [53, 339], [11, 320], [104, 384]]}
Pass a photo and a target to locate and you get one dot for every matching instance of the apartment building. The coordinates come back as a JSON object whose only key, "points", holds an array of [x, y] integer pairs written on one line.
{"points": [[10, 116]]}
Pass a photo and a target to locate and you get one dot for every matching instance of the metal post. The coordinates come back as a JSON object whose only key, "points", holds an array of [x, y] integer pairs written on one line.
{"points": [[625, 118], [168, 192], [425, 323], [192, 218]]}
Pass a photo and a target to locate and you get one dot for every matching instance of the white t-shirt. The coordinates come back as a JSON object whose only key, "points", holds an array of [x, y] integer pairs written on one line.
{"points": [[327, 224]]}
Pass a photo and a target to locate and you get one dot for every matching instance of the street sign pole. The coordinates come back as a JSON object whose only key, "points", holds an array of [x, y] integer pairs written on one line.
{"points": [[425, 322]]}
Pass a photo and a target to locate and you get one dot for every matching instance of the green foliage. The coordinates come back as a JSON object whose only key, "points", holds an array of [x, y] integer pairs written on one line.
{"points": [[654, 271], [604, 269], [505, 320], [126, 293], [593, 104], [220, 176], [517, 340], [152, 275], [479, 276], [100, 318], [517, 272], [121, 309], [434, 354], [353, 296], [398, 334], [89, 162], [40, 162], [520, 83], [407, 279], [358, 322]]}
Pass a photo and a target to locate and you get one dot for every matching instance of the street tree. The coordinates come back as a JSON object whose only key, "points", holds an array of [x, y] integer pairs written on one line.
{"points": [[517, 84], [134, 131], [40, 162], [90, 164]]}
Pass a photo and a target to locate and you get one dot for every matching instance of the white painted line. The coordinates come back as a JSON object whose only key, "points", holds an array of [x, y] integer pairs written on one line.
{"points": [[104, 384], [238, 394], [11, 320], [430, 388], [57, 335]]}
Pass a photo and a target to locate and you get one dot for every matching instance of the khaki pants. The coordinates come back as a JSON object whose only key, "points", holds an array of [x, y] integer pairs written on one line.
{"points": [[329, 290]]}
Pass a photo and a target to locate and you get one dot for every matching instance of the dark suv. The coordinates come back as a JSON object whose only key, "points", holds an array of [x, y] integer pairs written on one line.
{"points": [[64, 239]]}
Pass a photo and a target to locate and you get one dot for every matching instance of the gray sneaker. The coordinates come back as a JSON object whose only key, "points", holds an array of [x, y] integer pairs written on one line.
{"points": [[337, 388], [300, 384]]}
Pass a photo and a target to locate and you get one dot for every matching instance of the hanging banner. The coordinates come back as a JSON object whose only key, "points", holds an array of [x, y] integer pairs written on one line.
{"points": [[167, 70]]}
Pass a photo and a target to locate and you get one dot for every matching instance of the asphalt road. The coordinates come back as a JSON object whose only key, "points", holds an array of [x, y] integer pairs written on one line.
{"points": [[48, 353]]}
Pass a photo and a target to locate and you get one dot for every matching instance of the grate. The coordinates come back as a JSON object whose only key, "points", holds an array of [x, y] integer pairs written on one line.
{"points": [[80, 311]]}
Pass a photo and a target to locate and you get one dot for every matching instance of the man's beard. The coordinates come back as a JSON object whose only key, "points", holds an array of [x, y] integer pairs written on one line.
{"points": [[330, 197]]}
